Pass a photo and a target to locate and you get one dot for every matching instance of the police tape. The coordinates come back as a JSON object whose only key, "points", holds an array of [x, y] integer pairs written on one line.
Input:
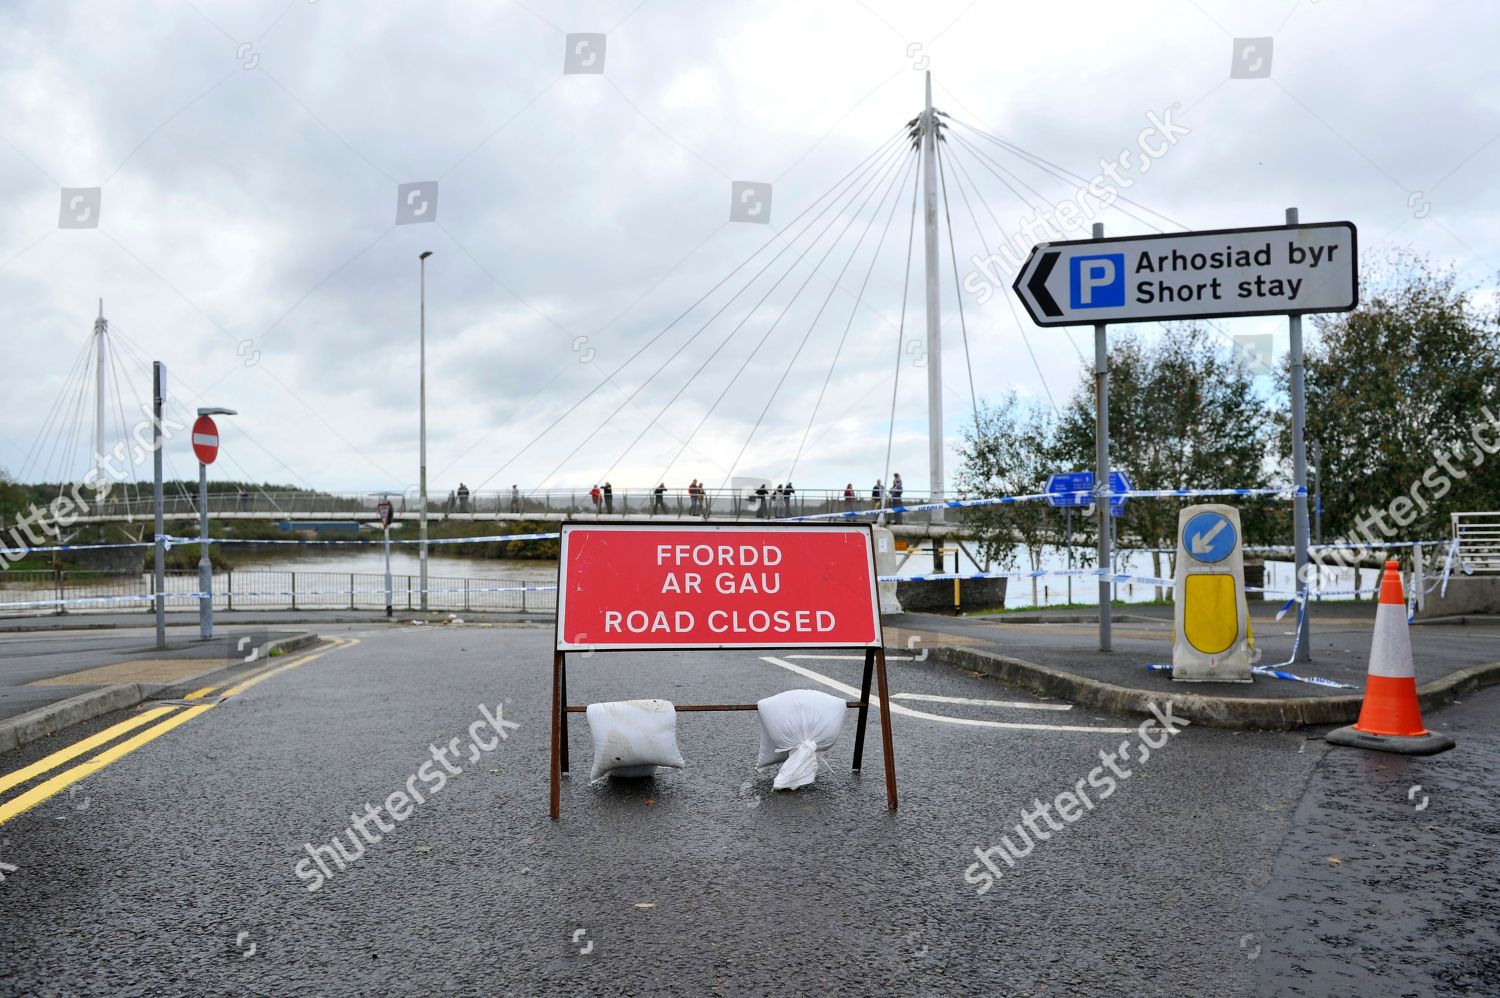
{"points": [[174, 541], [1278, 670], [1037, 496], [381, 591], [23, 552], [1121, 578]]}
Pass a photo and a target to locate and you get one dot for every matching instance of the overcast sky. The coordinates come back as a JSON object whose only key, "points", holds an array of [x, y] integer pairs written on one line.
{"points": [[248, 157]]}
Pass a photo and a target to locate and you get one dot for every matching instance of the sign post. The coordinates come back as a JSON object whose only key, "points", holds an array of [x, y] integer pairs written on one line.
{"points": [[1289, 270], [1299, 475], [638, 587], [159, 568], [1101, 471], [384, 510], [206, 448]]}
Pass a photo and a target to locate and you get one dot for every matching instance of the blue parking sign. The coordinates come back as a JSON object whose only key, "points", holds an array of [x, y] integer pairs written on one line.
{"points": [[1097, 281]]}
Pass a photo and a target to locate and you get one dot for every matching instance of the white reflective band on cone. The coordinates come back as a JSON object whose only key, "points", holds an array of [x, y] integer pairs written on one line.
{"points": [[1390, 651]]}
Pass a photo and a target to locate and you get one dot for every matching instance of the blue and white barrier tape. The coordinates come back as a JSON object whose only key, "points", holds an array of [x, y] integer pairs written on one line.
{"points": [[23, 552], [1278, 670], [146, 598], [1037, 496], [172, 540]]}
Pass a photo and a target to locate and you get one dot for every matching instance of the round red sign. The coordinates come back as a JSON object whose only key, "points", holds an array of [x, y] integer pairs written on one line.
{"points": [[206, 439]]}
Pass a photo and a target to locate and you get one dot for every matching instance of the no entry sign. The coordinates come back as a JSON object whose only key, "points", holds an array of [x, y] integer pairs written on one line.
{"points": [[206, 439], [646, 586]]}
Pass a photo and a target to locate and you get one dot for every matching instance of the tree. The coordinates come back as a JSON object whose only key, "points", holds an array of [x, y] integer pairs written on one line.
{"points": [[1403, 396], [1183, 413], [1007, 452], [13, 500]]}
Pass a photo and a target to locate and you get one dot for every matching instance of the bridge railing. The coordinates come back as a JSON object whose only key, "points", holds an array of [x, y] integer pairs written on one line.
{"points": [[498, 505]]}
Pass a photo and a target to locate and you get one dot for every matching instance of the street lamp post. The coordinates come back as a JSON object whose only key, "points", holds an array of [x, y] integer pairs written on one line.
{"points": [[205, 563], [422, 430]]}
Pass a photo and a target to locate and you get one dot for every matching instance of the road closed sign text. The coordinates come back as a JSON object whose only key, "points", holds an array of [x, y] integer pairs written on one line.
{"points": [[1282, 269], [645, 586]]}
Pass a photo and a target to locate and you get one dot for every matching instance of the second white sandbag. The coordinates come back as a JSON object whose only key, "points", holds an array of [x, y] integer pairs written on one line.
{"points": [[794, 727]]}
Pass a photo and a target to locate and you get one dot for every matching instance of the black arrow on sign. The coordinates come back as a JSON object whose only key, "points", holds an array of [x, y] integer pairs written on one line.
{"points": [[1038, 284]]}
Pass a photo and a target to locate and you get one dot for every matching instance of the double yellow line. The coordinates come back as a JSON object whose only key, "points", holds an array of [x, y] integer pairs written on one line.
{"points": [[180, 715]]}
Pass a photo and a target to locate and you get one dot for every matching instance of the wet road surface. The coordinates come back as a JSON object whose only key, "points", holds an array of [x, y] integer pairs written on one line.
{"points": [[174, 869]]}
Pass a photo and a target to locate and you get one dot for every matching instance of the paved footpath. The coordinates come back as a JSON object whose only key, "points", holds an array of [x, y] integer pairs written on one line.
{"points": [[169, 859]]}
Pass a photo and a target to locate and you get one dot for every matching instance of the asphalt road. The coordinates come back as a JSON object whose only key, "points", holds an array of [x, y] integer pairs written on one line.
{"points": [[1208, 870]]}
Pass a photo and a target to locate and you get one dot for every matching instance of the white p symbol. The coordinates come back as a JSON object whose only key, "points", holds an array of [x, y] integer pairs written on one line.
{"points": [[580, 47], [1094, 274]]}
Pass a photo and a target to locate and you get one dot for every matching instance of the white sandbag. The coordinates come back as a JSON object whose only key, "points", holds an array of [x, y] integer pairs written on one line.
{"points": [[633, 737], [794, 727]]}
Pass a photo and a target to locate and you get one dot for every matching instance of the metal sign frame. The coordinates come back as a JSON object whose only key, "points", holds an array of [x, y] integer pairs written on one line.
{"points": [[874, 662], [1027, 278]]}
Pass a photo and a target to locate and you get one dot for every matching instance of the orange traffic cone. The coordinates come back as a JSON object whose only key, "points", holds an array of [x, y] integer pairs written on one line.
{"points": [[1390, 718]]}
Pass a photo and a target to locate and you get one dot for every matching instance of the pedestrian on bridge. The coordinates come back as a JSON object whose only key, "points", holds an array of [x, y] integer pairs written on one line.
{"points": [[896, 490], [849, 497], [463, 498], [762, 500], [786, 499], [693, 497], [659, 505], [595, 495], [515, 499], [877, 494], [609, 498]]}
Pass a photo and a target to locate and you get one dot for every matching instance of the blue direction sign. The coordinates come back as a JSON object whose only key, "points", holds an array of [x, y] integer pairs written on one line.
{"points": [[1209, 537], [1076, 488]]}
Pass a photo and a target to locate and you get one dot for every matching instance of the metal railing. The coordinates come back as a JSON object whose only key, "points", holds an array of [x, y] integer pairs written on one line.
{"points": [[261, 589], [1478, 536], [499, 505]]}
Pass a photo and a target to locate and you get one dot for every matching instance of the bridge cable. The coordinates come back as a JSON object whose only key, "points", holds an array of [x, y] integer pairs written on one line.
{"points": [[890, 435], [957, 288], [1060, 173], [652, 341], [34, 452], [964, 180], [1011, 305], [838, 351], [891, 156], [874, 216], [1056, 170], [814, 272]]}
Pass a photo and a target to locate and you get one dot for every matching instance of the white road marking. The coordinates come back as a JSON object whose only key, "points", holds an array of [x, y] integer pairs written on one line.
{"points": [[858, 658], [818, 677], [1018, 705]]}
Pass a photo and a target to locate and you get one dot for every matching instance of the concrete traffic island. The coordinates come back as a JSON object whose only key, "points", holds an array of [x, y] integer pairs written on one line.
{"points": [[1054, 654]]}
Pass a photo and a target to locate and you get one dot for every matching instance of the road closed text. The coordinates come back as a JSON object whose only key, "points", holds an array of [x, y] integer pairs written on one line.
{"points": [[681, 587], [781, 622]]}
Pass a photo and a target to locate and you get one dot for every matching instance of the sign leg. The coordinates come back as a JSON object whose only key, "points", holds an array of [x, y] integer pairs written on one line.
{"points": [[864, 710], [557, 720], [885, 731], [562, 714]]}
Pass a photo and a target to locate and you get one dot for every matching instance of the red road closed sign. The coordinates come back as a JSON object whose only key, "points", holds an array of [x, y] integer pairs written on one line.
{"points": [[206, 439], [645, 586]]}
